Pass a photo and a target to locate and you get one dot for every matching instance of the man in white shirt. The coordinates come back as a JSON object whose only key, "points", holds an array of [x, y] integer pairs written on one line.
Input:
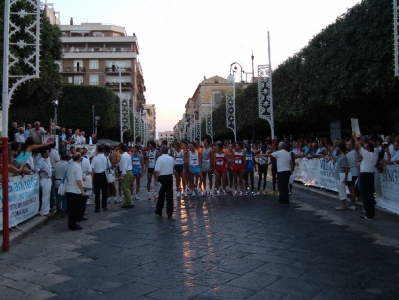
{"points": [[19, 137], [163, 174], [100, 164], [284, 170], [87, 178], [74, 191], [125, 166], [366, 177], [37, 133], [43, 168], [54, 159], [392, 159], [60, 169]]}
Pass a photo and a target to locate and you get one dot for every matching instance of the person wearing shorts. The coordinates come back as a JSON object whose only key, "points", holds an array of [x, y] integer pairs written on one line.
{"points": [[238, 168], [341, 166], [353, 161], [249, 169], [262, 170], [152, 156], [194, 162], [207, 166], [137, 162], [274, 169], [230, 163], [178, 156], [220, 167]]}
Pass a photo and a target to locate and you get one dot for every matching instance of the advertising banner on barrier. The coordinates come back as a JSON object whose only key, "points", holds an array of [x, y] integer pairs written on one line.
{"points": [[23, 199], [387, 188], [319, 172]]}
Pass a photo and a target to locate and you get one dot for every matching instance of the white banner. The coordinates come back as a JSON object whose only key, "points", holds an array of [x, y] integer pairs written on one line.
{"points": [[387, 188], [23, 199]]}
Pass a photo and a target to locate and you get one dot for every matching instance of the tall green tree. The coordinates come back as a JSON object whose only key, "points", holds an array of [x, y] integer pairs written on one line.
{"points": [[32, 100]]}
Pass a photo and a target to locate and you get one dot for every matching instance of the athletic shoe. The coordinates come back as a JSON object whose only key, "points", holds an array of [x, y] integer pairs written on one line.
{"points": [[178, 195], [246, 193], [109, 200], [210, 194], [253, 194], [224, 193], [230, 193], [289, 194], [193, 194], [199, 191], [351, 207], [117, 201], [149, 197], [241, 194], [137, 197], [264, 193], [88, 202], [235, 193], [258, 193], [365, 218], [218, 193], [205, 193], [271, 193], [185, 194], [215, 190], [340, 208]]}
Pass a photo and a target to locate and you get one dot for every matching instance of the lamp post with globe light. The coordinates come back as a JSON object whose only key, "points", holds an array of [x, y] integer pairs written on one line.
{"points": [[231, 101]]}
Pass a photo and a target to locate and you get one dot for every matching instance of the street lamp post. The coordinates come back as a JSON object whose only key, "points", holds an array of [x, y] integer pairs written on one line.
{"points": [[96, 118], [55, 104], [93, 109], [231, 101]]}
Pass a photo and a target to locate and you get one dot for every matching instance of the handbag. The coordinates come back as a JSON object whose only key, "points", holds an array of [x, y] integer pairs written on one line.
{"points": [[88, 182], [110, 173], [62, 186]]}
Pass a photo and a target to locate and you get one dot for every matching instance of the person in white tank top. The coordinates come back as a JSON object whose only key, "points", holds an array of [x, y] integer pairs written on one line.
{"points": [[152, 156]]}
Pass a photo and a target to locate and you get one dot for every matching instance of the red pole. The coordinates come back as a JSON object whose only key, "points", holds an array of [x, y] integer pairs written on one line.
{"points": [[6, 219]]}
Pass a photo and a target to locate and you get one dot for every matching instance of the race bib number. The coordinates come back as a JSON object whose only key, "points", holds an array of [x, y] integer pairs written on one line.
{"points": [[179, 160], [152, 160], [219, 163], [238, 161], [194, 161], [136, 163], [249, 158]]}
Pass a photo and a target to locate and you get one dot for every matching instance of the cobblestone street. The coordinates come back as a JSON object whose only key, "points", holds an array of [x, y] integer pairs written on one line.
{"points": [[212, 248]]}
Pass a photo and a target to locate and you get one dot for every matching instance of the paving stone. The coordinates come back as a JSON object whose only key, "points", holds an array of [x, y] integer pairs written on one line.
{"points": [[282, 270], [271, 258], [179, 290], [253, 281], [266, 294], [47, 279], [35, 291], [211, 278], [296, 287], [226, 292], [10, 293]]}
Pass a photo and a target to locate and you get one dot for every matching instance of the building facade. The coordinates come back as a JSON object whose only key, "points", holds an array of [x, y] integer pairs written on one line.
{"points": [[165, 136], [151, 120]]}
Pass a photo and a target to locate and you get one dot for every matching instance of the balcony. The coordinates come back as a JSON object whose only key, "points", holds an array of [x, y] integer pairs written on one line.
{"points": [[123, 70], [115, 85], [73, 70]]}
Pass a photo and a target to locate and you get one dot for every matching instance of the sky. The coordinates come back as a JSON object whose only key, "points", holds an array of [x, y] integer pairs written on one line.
{"points": [[181, 41]]}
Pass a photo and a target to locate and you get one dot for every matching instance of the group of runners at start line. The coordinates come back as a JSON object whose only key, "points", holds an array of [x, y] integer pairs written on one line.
{"points": [[195, 165]]}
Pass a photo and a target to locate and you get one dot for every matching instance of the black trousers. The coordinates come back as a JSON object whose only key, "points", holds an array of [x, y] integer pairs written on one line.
{"points": [[367, 190], [73, 209], [81, 207], [283, 180], [100, 184], [166, 189]]}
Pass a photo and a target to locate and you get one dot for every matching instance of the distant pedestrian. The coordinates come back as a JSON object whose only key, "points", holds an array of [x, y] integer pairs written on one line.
{"points": [[366, 177], [341, 167], [74, 192], [44, 169], [125, 165], [99, 165], [163, 174], [284, 171]]}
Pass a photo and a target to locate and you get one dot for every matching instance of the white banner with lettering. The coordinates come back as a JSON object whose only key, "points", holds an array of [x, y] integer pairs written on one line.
{"points": [[320, 173], [23, 199]]}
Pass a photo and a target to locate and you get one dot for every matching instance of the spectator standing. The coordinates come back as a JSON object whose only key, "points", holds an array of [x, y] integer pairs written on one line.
{"points": [[86, 174], [27, 131], [341, 167], [99, 166], [12, 132], [37, 133], [54, 159], [19, 137], [353, 161], [366, 177], [163, 174], [60, 169], [74, 191], [284, 167], [43, 168], [125, 165]]}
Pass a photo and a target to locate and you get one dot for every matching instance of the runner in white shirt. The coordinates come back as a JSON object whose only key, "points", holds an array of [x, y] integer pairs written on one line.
{"points": [[152, 156]]}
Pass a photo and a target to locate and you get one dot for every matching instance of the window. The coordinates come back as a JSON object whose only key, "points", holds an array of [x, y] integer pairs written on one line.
{"points": [[118, 49], [216, 80], [216, 98], [116, 79], [93, 80], [78, 65], [94, 64], [78, 80], [70, 79]]}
